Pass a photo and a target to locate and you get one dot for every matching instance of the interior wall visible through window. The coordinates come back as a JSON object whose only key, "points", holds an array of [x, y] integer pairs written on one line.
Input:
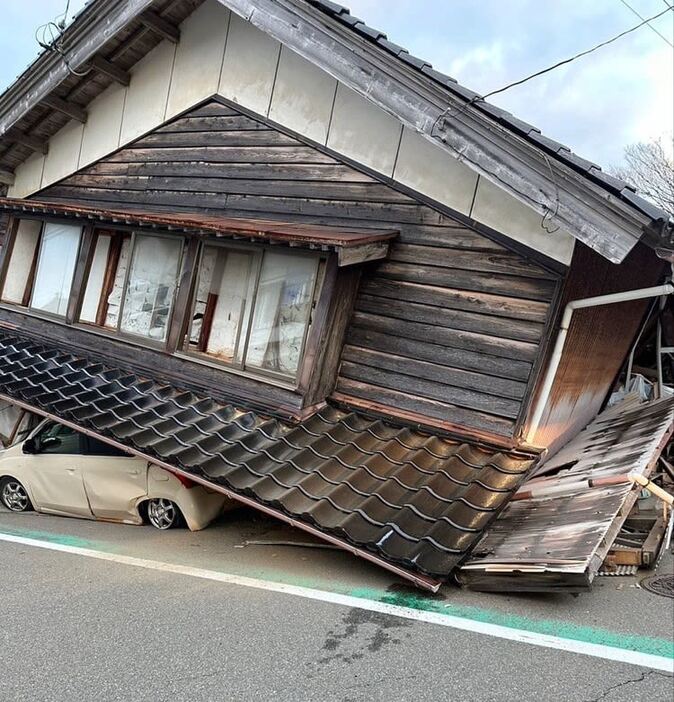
{"points": [[252, 309], [42, 265], [131, 283]]}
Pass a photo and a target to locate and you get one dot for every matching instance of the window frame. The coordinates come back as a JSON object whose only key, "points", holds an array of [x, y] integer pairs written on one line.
{"points": [[184, 296], [258, 251], [117, 331], [27, 299]]}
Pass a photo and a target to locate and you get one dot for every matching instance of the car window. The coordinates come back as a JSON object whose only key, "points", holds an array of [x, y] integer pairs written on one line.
{"points": [[94, 447], [57, 438]]}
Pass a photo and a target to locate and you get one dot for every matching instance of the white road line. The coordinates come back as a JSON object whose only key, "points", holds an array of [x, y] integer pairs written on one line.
{"points": [[644, 660]]}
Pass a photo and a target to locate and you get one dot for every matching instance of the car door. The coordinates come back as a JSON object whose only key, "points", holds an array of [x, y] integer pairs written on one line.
{"points": [[55, 470], [114, 481]]}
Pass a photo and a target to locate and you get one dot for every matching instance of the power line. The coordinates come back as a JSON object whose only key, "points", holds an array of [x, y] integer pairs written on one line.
{"points": [[650, 26], [573, 58]]}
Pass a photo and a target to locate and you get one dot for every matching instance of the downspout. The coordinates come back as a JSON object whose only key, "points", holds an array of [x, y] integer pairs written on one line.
{"points": [[553, 365]]}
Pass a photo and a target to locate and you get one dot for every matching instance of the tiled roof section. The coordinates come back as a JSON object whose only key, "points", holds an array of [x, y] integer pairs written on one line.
{"points": [[590, 170], [415, 500]]}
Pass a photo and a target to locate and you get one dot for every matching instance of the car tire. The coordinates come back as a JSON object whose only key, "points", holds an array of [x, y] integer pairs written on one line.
{"points": [[14, 496], [162, 513]]}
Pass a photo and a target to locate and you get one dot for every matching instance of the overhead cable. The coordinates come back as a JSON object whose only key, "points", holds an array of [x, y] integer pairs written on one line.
{"points": [[576, 56]]}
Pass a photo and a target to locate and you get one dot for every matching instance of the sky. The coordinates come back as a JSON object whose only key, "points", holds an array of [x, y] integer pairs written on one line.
{"points": [[618, 95]]}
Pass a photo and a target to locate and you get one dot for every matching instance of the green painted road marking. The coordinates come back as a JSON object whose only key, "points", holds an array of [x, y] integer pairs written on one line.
{"points": [[636, 649]]}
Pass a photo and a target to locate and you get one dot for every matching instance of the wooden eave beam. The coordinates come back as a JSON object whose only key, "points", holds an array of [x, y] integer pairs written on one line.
{"points": [[70, 109], [109, 69], [589, 212], [6, 177], [30, 142], [97, 24], [160, 25]]}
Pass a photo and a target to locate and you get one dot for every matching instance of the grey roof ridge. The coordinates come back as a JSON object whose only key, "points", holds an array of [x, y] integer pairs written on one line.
{"points": [[590, 170]]}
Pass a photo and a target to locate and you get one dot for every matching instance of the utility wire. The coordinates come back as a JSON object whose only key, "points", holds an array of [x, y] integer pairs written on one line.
{"points": [[650, 26], [573, 58]]}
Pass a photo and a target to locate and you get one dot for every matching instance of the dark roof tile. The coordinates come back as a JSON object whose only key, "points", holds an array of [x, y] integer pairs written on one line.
{"points": [[415, 501], [332, 7], [392, 48], [550, 144], [436, 75], [368, 31], [647, 207]]}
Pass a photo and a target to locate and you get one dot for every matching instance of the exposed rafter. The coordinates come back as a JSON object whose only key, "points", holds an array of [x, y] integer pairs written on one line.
{"points": [[30, 142], [158, 24], [107, 68], [6, 177], [99, 22], [67, 108]]}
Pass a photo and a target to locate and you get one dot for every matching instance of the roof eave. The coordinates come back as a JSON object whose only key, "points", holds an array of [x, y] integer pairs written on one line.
{"points": [[97, 24], [589, 212]]}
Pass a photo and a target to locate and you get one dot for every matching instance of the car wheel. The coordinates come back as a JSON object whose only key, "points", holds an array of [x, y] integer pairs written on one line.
{"points": [[162, 514], [14, 496]]}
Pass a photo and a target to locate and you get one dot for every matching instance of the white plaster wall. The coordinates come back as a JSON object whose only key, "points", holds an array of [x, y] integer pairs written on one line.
{"points": [[64, 153], [221, 53], [249, 68], [102, 129], [196, 72], [495, 208], [364, 132], [303, 96], [27, 177], [425, 168], [23, 253], [145, 106]]}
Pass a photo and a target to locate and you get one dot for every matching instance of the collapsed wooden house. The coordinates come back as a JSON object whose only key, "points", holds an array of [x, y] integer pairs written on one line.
{"points": [[260, 244]]}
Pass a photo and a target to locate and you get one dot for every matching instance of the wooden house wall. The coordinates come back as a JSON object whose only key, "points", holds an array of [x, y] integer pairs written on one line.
{"points": [[449, 327], [598, 340]]}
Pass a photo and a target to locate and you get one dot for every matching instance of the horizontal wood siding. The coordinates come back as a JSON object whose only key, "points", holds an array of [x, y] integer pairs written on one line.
{"points": [[449, 326]]}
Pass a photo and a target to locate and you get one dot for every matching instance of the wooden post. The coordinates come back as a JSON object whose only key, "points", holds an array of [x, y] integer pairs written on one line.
{"points": [[181, 308]]}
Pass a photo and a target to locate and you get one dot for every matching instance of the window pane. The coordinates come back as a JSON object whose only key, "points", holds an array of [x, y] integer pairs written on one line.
{"points": [[55, 268], [56, 438], [115, 296], [92, 295], [151, 284], [21, 261], [222, 309], [100, 448], [282, 309]]}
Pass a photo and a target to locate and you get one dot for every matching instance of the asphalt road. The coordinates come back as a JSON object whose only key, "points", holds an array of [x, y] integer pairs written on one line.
{"points": [[74, 627]]}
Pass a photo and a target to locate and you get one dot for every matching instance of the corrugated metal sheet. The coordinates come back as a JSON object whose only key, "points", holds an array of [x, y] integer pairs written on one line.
{"points": [[559, 534], [411, 500]]}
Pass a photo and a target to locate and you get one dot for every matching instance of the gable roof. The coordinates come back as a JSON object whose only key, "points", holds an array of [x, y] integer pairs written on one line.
{"points": [[603, 212], [533, 134]]}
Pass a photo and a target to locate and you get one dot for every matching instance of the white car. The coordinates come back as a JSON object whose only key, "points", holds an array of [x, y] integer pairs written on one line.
{"points": [[58, 470]]}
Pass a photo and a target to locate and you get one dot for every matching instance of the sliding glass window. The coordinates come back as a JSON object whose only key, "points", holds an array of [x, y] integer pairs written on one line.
{"points": [[132, 283], [41, 266], [252, 309]]}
